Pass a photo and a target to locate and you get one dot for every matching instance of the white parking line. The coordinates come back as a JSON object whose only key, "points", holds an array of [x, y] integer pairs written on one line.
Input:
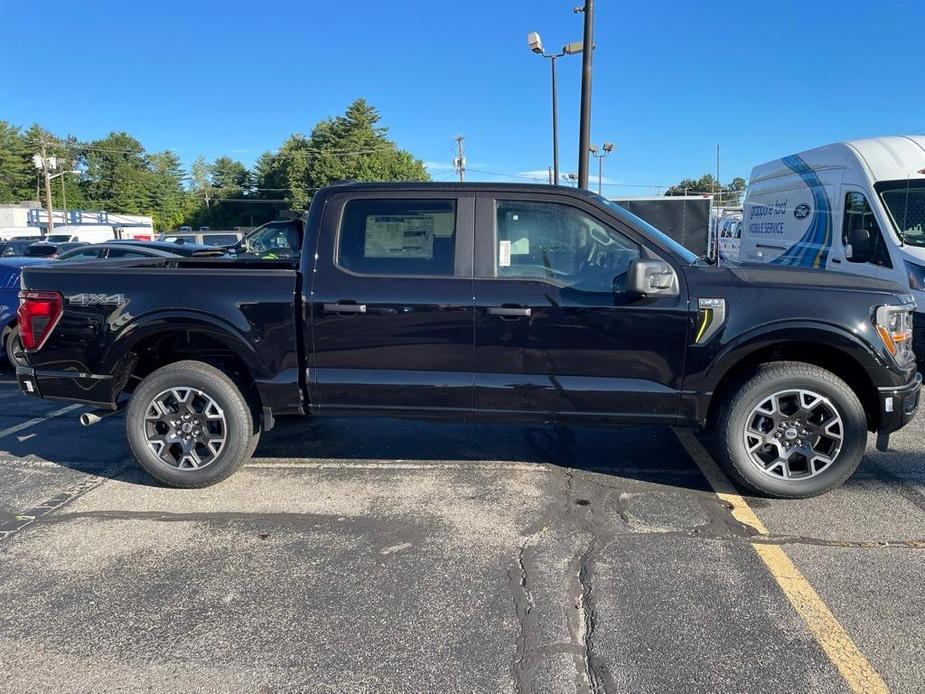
{"points": [[38, 420]]}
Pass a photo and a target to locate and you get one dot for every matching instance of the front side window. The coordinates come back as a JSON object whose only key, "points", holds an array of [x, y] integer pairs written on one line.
{"points": [[398, 237], [560, 244], [86, 254], [126, 253], [861, 232], [905, 203]]}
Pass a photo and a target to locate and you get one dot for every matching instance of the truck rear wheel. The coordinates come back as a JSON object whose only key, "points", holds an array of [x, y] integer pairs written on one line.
{"points": [[189, 425], [792, 430], [13, 348]]}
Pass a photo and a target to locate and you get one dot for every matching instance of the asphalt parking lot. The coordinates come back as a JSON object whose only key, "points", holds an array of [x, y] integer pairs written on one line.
{"points": [[376, 555]]}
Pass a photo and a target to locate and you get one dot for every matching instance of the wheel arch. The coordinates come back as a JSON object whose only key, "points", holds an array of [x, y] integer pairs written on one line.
{"points": [[847, 358], [166, 339]]}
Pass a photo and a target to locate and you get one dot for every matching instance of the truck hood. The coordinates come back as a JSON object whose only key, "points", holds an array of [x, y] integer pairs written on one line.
{"points": [[765, 275]]}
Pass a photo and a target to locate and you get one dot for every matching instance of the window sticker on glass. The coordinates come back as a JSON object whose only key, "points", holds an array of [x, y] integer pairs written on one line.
{"points": [[520, 246], [504, 254], [399, 236]]}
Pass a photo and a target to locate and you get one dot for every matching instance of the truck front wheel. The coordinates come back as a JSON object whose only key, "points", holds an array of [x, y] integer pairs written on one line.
{"points": [[792, 430], [189, 425]]}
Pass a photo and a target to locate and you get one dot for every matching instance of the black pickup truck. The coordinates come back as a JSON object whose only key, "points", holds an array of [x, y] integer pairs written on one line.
{"points": [[493, 302]]}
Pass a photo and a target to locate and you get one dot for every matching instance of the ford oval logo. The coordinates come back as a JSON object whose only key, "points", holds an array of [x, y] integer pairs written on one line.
{"points": [[801, 211]]}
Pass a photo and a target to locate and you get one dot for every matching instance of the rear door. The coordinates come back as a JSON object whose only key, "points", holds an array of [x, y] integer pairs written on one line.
{"points": [[557, 335], [391, 321]]}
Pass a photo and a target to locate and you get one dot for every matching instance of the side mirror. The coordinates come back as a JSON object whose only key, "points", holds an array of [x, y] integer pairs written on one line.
{"points": [[651, 277]]}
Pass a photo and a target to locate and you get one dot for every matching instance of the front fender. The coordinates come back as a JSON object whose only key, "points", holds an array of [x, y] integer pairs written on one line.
{"points": [[709, 368]]}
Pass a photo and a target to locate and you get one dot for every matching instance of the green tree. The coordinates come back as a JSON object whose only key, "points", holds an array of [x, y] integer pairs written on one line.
{"points": [[351, 146], [117, 174], [728, 195], [17, 172], [168, 201]]}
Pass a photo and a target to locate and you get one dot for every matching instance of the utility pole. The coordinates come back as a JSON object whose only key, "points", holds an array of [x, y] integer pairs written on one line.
{"points": [[460, 161], [41, 161], [716, 184], [584, 132]]}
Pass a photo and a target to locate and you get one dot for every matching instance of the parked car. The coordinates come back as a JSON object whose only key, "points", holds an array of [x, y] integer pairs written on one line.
{"points": [[50, 250], [282, 239], [137, 249], [9, 304], [489, 301], [16, 247]]}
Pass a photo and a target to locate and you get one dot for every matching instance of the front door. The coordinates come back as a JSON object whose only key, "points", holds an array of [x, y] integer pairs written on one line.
{"points": [[391, 321], [863, 249], [557, 335]]}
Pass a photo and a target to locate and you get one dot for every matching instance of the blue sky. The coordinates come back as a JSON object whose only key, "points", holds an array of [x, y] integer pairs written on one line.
{"points": [[672, 79]]}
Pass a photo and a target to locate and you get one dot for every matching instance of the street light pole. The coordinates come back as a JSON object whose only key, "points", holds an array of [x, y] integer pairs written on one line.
{"points": [[536, 45], [606, 149], [584, 132], [555, 122]]}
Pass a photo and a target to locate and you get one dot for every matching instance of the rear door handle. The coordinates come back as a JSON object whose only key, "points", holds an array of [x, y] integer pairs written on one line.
{"points": [[509, 311], [345, 308]]}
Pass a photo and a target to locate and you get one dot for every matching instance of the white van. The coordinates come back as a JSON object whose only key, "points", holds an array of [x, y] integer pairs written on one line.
{"points": [[86, 233], [729, 233], [856, 207], [9, 233]]}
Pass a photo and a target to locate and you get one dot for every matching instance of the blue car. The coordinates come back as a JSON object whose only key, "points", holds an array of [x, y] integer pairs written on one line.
{"points": [[9, 303]]}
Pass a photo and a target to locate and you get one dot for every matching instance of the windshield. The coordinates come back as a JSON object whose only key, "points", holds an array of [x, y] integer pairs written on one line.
{"points": [[649, 230], [271, 241], [905, 203]]}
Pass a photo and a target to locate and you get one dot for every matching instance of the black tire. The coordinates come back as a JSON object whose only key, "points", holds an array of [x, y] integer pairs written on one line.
{"points": [[13, 348], [240, 435], [764, 383]]}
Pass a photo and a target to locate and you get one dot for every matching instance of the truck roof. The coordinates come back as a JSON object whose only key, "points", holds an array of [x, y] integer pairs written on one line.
{"points": [[886, 158], [459, 187]]}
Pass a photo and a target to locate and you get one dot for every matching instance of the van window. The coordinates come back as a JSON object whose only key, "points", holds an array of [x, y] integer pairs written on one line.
{"points": [[398, 237], [905, 202], [560, 244], [861, 231]]}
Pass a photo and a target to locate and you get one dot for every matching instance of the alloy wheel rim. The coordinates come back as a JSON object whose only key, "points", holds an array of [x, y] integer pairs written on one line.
{"points": [[793, 434], [185, 428]]}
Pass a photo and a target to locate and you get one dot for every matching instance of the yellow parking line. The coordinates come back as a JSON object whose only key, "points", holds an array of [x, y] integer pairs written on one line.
{"points": [[829, 633]]}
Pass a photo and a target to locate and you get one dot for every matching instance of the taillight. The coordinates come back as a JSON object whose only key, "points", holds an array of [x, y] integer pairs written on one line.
{"points": [[39, 313]]}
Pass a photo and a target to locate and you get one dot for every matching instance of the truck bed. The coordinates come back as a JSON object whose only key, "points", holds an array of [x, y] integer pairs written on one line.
{"points": [[113, 310]]}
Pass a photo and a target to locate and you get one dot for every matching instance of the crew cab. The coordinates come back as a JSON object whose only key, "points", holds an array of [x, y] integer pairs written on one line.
{"points": [[483, 301]]}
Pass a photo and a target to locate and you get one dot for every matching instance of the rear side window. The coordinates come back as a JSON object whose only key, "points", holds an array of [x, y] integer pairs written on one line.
{"points": [[398, 237], [219, 239]]}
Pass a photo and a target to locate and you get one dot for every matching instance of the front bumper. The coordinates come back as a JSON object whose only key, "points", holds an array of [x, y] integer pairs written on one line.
{"points": [[899, 405]]}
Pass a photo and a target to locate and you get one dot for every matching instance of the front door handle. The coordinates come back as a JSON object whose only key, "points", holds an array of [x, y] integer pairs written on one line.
{"points": [[509, 311], [345, 308]]}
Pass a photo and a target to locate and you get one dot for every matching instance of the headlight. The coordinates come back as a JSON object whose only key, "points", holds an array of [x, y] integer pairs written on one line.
{"points": [[894, 325], [916, 275]]}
